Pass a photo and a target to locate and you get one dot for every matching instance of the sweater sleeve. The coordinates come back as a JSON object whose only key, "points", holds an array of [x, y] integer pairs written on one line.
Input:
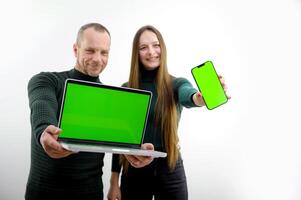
{"points": [[184, 91], [43, 103]]}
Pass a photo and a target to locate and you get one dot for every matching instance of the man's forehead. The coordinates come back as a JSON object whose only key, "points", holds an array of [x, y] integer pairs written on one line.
{"points": [[93, 33], [96, 38]]}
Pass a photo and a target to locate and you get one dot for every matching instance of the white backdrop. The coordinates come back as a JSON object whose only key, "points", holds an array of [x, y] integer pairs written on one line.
{"points": [[247, 149]]}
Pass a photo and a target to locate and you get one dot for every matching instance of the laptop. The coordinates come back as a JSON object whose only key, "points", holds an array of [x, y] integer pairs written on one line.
{"points": [[100, 118]]}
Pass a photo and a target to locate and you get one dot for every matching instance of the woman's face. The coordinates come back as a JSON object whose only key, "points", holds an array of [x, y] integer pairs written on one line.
{"points": [[149, 50]]}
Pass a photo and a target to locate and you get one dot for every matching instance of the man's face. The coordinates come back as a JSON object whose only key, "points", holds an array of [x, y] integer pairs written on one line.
{"points": [[92, 52]]}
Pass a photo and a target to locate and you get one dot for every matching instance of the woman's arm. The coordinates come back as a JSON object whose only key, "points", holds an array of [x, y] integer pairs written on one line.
{"points": [[114, 192]]}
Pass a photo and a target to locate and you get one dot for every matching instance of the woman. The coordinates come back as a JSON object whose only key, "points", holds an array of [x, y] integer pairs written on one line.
{"points": [[164, 178]]}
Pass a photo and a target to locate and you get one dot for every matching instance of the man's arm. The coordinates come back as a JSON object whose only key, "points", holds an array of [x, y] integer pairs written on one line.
{"points": [[44, 107]]}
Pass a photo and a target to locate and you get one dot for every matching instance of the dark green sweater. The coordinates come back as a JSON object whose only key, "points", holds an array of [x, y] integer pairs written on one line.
{"points": [[77, 174], [183, 91]]}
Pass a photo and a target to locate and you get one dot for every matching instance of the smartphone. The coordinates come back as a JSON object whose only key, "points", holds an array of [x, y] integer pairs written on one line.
{"points": [[209, 85]]}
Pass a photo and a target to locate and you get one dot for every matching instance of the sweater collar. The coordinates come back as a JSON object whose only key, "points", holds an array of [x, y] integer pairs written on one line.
{"points": [[81, 76], [148, 75]]}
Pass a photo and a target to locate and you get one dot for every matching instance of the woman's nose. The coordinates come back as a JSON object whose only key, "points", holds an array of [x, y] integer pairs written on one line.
{"points": [[151, 50]]}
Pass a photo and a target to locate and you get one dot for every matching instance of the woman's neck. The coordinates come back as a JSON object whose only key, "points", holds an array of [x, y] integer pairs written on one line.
{"points": [[148, 75]]}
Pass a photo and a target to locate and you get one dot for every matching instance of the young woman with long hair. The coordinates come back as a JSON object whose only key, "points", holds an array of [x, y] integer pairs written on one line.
{"points": [[163, 178]]}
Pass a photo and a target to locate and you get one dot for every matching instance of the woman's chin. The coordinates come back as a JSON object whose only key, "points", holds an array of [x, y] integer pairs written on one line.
{"points": [[151, 67]]}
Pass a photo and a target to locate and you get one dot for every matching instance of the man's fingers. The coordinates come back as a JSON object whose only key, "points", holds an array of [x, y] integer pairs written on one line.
{"points": [[49, 138], [148, 146], [53, 130], [139, 161], [54, 149], [135, 162], [49, 141], [54, 144], [59, 154], [50, 144], [131, 158]]}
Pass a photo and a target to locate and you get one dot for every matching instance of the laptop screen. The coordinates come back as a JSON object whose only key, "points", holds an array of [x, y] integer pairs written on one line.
{"points": [[100, 113]]}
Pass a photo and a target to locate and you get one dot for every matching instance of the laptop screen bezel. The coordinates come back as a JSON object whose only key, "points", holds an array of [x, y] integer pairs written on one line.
{"points": [[100, 85]]}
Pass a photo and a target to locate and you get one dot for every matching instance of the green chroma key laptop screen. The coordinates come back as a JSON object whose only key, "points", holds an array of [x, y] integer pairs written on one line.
{"points": [[102, 114], [209, 85]]}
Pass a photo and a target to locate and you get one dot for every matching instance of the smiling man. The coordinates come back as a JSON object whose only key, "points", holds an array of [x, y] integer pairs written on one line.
{"points": [[56, 173]]}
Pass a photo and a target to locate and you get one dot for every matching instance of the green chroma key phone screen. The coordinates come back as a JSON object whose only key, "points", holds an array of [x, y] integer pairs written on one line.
{"points": [[101, 114], [209, 85]]}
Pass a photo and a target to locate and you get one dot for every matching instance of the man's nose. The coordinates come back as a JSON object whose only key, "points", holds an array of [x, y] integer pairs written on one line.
{"points": [[97, 57]]}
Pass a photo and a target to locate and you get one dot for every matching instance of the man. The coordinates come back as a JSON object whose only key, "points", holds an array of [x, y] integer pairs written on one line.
{"points": [[56, 173]]}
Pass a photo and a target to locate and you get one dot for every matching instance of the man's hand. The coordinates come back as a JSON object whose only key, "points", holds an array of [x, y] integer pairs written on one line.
{"points": [[50, 144], [141, 161]]}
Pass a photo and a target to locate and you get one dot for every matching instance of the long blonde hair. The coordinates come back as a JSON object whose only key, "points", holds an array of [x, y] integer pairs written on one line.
{"points": [[165, 110]]}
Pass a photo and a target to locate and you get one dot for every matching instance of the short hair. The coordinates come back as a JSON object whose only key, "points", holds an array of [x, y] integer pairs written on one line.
{"points": [[97, 27]]}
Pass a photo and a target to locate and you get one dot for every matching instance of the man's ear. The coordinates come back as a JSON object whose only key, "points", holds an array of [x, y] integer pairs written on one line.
{"points": [[75, 49]]}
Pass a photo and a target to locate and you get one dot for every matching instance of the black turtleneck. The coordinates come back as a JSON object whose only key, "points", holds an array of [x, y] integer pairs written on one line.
{"points": [[74, 73], [148, 75], [78, 174]]}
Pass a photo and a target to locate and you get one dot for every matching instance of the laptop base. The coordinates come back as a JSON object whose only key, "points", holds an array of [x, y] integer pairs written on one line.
{"points": [[75, 147]]}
